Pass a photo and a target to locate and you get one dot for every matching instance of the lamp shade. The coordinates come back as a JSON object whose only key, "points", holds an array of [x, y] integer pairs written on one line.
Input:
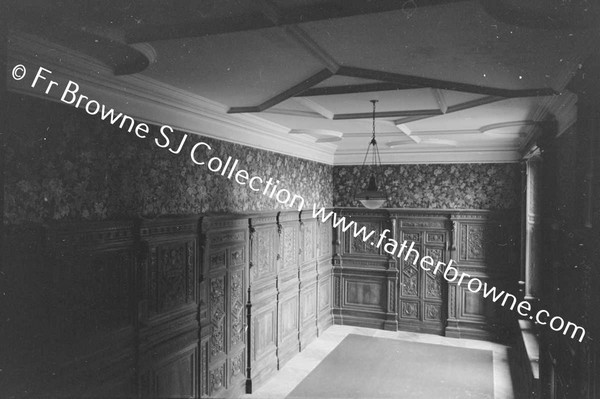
{"points": [[371, 198]]}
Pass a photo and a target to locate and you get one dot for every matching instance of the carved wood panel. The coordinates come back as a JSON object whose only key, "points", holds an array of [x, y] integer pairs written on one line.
{"points": [[226, 253], [324, 272], [357, 245], [289, 247], [266, 261], [472, 242], [367, 293], [169, 330], [264, 253], [422, 293], [171, 280], [324, 240], [485, 248], [289, 287], [309, 245], [236, 306], [217, 316]]}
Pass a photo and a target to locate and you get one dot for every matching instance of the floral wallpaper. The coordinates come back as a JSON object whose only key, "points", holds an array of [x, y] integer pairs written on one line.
{"points": [[62, 164], [440, 186]]}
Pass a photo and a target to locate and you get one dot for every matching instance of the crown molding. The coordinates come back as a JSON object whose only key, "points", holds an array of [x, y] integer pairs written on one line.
{"points": [[434, 156], [148, 100]]}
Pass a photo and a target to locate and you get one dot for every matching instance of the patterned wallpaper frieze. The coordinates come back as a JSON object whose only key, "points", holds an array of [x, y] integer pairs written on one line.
{"points": [[439, 186], [62, 164]]}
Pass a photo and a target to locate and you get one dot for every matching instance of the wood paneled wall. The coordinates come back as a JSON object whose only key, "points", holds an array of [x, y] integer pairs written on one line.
{"points": [[375, 289], [92, 298], [168, 307], [212, 306], [290, 289], [224, 284], [161, 308]]}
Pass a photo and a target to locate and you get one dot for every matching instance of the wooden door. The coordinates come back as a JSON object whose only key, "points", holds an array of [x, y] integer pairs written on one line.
{"points": [[421, 294], [288, 287], [168, 331], [225, 272], [264, 244]]}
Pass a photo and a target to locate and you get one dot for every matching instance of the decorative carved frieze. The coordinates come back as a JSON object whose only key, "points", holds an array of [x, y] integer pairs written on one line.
{"points": [[226, 238], [427, 224]]}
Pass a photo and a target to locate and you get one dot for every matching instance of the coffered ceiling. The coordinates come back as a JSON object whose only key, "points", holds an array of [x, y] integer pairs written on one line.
{"points": [[456, 81]]}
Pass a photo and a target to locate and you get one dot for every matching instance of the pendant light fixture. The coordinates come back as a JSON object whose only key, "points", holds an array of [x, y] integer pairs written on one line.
{"points": [[372, 197]]}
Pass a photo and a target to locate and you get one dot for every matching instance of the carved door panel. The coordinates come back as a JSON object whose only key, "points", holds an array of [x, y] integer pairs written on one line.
{"points": [[288, 287], [168, 334], [421, 293], [264, 244], [227, 258], [308, 282], [324, 276]]}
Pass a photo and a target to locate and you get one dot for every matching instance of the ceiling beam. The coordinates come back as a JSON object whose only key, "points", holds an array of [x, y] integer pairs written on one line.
{"points": [[417, 81], [352, 89], [388, 114], [328, 10], [291, 92]]}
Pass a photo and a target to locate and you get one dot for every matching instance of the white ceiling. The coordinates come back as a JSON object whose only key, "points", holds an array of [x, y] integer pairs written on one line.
{"points": [[434, 70]]}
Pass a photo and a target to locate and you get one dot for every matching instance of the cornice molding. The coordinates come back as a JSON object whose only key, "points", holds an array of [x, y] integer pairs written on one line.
{"points": [[441, 156], [154, 102]]}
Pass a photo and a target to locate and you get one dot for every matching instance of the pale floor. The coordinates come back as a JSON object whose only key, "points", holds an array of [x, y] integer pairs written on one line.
{"points": [[284, 381]]}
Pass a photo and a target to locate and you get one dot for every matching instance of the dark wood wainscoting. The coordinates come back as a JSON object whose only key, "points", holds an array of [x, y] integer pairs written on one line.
{"points": [[365, 276], [375, 289], [484, 245], [264, 259], [290, 289], [223, 287], [168, 307], [422, 294], [92, 298], [190, 306]]}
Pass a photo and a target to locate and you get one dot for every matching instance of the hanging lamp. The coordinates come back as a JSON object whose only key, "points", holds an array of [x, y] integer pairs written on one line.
{"points": [[372, 197]]}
